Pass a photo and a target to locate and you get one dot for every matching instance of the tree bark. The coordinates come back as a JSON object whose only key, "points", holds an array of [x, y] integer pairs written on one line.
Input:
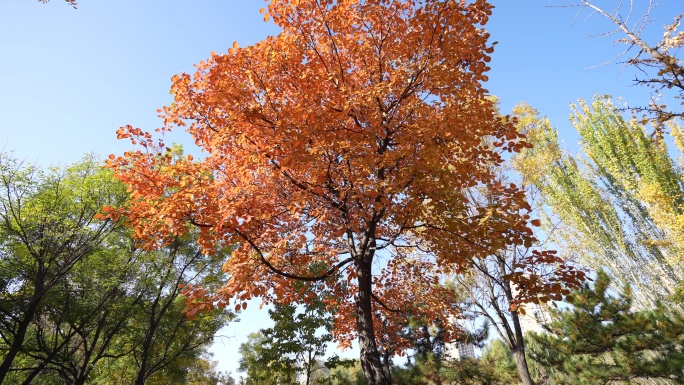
{"points": [[519, 352], [521, 364], [370, 357], [20, 335]]}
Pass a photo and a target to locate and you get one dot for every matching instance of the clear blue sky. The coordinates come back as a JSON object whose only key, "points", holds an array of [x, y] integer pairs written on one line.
{"points": [[70, 78]]}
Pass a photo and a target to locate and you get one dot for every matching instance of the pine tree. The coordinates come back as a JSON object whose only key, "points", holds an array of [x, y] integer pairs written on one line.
{"points": [[601, 339]]}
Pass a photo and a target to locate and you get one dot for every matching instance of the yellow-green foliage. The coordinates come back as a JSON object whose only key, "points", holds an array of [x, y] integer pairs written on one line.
{"points": [[619, 204]]}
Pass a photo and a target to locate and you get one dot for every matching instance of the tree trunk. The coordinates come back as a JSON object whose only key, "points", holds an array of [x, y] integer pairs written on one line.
{"points": [[140, 379], [370, 357], [521, 364], [519, 351], [81, 380], [23, 326]]}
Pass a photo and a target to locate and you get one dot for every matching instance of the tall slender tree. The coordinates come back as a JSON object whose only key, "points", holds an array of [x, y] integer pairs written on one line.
{"points": [[619, 205], [493, 294]]}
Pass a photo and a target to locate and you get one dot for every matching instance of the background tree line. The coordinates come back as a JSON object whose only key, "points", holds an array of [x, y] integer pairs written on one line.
{"points": [[80, 301]]}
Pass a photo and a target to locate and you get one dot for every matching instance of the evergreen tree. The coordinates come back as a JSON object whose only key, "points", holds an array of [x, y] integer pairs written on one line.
{"points": [[498, 358], [602, 340]]}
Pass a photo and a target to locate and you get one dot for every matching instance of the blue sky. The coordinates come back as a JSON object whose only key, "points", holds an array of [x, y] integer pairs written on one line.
{"points": [[70, 78]]}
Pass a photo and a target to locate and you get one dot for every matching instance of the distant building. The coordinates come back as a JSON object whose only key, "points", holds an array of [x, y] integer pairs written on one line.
{"points": [[535, 316], [534, 319], [458, 350]]}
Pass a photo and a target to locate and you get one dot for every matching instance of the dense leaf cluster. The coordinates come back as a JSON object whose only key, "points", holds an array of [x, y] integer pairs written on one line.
{"points": [[79, 301]]}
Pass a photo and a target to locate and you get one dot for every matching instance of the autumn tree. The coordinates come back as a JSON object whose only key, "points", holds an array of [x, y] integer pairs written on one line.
{"points": [[492, 297], [493, 287], [616, 206], [348, 140]]}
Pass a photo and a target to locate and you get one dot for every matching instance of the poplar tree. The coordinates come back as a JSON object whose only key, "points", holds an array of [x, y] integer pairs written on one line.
{"points": [[619, 204]]}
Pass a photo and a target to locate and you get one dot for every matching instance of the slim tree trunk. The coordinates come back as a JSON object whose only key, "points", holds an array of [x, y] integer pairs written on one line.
{"points": [[370, 357], [34, 373], [140, 379], [519, 352], [521, 365], [23, 326], [14, 349]]}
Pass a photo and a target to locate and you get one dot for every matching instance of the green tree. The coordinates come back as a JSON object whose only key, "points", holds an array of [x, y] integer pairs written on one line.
{"points": [[429, 370], [348, 374], [296, 335], [498, 358], [84, 315], [79, 301], [48, 225], [296, 344], [165, 338], [617, 206], [259, 370], [602, 340], [203, 371]]}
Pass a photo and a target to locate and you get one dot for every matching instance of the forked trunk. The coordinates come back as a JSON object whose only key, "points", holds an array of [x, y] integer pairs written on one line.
{"points": [[370, 357], [22, 329]]}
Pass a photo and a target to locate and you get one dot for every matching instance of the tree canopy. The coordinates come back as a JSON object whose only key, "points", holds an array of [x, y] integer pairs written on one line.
{"points": [[359, 128]]}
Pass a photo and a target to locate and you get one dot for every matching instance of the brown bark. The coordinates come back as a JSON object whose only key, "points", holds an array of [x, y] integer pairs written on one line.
{"points": [[23, 324], [370, 357], [521, 365], [518, 351]]}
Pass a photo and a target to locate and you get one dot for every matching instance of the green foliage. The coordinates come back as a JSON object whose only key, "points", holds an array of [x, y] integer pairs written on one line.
{"points": [[429, 370], [618, 206], [260, 366], [348, 373], [499, 360], [48, 226], [601, 340], [78, 302], [294, 345], [164, 343], [203, 371]]}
